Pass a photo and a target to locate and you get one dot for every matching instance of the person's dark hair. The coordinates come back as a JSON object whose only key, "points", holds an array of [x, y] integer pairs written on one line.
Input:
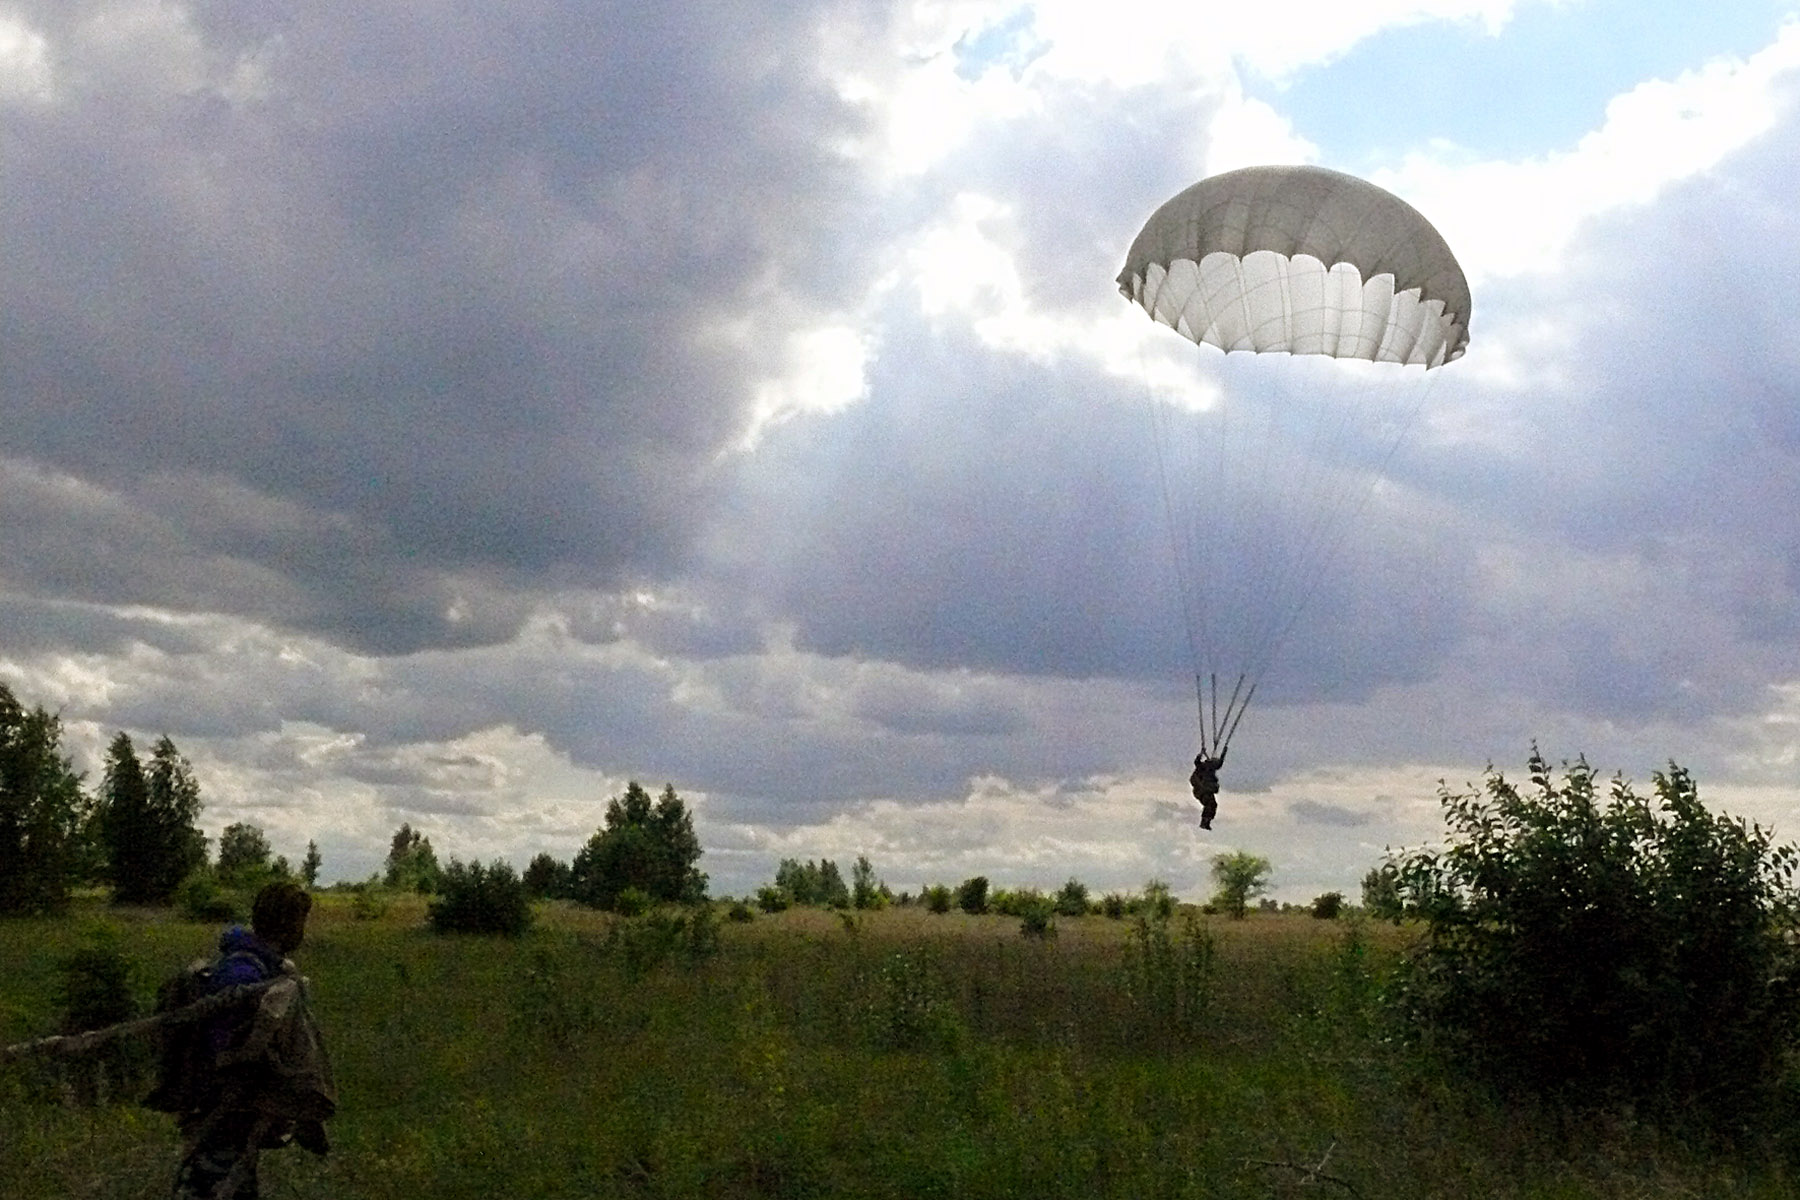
{"points": [[278, 914]]}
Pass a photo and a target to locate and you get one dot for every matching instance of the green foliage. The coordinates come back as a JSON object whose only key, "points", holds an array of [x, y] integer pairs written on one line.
{"points": [[632, 902], [309, 866], [1381, 893], [370, 901], [1072, 900], [1157, 902], [243, 854], [1114, 905], [650, 847], [42, 811], [644, 943], [907, 1007], [1240, 877], [938, 898], [476, 899], [740, 913], [1168, 976], [866, 892], [772, 899], [201, 898], [548, 878], [94, 990], [1037, 915], [1327, 905], [149, 822], [972, 895], [813, 884], [412, 864], [1604, 946]]}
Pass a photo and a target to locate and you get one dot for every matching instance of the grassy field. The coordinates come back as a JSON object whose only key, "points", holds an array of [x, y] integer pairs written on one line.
{"points": [[900, 1055]]}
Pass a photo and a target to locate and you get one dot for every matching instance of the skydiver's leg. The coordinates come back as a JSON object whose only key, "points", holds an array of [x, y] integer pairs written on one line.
{"points": [[1208, 807]]}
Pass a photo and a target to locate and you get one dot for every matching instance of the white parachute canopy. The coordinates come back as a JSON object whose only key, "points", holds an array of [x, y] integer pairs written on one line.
{"points": [[1284, 260]]}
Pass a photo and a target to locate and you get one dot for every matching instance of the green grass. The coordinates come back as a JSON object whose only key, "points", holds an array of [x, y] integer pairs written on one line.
{"points": [[914, 1056]]}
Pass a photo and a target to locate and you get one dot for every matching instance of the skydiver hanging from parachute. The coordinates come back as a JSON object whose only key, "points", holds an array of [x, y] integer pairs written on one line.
{"points": [[1291, 260]]}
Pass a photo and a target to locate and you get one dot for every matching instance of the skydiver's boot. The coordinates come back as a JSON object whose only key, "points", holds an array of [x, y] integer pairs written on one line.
{"points": [[1206, 814]]}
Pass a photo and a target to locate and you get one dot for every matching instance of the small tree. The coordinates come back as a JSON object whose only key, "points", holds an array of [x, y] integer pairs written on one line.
{"points": [[243, 853], [1381, 893], [938, 898], [865, 890], [1328, 905], [309, 866], [1072, 900], [1241, 877], [1599, 947], [548, 878], [972, 895], [412, 864], [650, 847], [476, 899]]}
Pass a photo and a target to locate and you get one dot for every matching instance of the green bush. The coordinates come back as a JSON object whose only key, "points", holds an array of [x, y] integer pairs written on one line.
{"points": [[1608, 948], [1328, 906], [938, 899], [773, 899], [1114, 905], [472, 898], [370, 901], [740, 912], [94, 990], [1072, 900], [1037, 917], [201, 898], [632, 902], [972, 895]]}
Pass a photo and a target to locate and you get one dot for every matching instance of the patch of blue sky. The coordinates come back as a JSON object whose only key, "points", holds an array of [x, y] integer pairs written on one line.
{"points": [[1538, 85], [1012, 43]]}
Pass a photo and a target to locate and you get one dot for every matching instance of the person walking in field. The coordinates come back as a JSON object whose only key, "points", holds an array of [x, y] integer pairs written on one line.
{"points": [[256, 1077]]}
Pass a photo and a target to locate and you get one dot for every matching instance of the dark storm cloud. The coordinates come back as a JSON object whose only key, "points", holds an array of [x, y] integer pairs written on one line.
{"points": [[389, 312], [985, 513]]}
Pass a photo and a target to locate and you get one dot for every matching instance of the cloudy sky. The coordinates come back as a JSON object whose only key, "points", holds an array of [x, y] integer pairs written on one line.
{"points": [[448, 412]]}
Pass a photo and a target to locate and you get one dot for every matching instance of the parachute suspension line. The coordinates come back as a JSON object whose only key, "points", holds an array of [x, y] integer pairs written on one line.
{"points": [[1218, 724], [1181, 537], [1331, 533]]}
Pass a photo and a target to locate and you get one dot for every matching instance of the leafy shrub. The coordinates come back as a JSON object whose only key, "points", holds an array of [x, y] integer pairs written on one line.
{"points": [[1037, 917], [201, 898], [1157, 902], [371, 901], [94, 991], [972, 895], [476, 899], [1607, 948], [631, 902], [906, 1006], [1326, 907], [740, 913], [1072, 900], [1169, 976], [1381, 893], [937, 898], [1113, 905], [773, 899]]}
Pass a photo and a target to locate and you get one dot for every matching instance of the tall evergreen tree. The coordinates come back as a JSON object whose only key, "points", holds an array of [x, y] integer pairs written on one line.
{"points": [[309, 866], [41, 810], [150, 822], [646, 846]]}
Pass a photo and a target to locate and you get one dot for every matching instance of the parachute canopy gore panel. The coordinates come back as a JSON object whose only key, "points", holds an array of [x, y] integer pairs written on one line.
{"points": [[1301, 260]]}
